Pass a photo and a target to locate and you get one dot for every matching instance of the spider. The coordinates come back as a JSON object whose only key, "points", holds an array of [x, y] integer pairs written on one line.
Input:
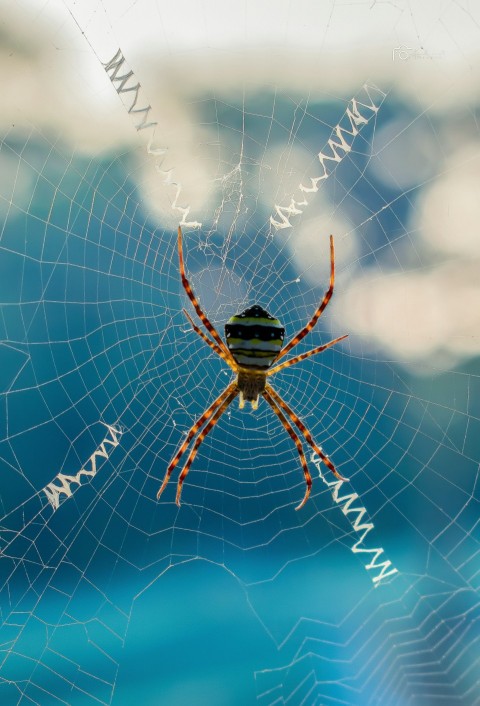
{"points": [[254, 340]]}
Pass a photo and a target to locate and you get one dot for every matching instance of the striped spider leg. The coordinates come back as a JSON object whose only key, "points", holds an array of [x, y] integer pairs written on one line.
{"points": [[319, 311], [211, 415], [254, 342], [200, 313], [279, 406]]}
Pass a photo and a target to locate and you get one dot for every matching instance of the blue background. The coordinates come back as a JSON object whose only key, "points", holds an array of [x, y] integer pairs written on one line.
{"points": [[234, 598]]}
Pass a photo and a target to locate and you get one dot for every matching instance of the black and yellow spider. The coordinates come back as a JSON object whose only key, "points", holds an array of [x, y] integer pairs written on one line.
{"points": [[254, 342]]}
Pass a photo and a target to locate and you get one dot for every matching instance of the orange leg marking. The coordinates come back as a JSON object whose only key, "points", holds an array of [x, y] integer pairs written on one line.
{"points": [[298, 358], [186, 285], [298, 444], [301, 426], [206, 430], [198, 424], [327, 296]]}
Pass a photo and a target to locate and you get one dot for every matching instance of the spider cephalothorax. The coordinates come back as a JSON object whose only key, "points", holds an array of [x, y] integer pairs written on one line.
{"points": [[254, 343]]}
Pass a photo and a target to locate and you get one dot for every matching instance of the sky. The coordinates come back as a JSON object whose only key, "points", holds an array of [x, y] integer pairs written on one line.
{"points": [[425, 54]]}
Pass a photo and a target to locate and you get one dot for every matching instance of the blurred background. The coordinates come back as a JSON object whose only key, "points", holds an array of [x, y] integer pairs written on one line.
{"points": [[235, 598]]}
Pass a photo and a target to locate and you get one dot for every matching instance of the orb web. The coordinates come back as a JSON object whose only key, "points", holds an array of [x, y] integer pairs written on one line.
{"points": [[367, 595]]}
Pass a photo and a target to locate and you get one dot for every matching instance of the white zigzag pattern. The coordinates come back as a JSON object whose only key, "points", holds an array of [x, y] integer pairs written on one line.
{"points": [[53, 492], [359, 111], [128, 89], [346, 503]]}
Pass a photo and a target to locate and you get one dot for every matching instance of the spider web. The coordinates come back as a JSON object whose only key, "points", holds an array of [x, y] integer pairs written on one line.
{"points": [[120, 122]]}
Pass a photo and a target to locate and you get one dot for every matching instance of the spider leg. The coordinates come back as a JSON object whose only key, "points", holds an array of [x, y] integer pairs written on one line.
{"points": [[206, 430], [186, 285], [301, 426], [198, 424], [326, 298], [210, 343], [298, 444], [298, 358]]}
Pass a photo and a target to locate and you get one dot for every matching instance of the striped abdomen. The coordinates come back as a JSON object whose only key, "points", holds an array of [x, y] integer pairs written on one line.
{"points": [[254, 337]]}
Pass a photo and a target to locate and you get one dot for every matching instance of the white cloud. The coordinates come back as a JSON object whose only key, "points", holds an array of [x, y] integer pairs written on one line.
{"points": [[417, 316], [449, 210]]}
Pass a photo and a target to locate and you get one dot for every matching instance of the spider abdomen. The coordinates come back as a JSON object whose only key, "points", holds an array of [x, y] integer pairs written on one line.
{"points": [[254, 338]]}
